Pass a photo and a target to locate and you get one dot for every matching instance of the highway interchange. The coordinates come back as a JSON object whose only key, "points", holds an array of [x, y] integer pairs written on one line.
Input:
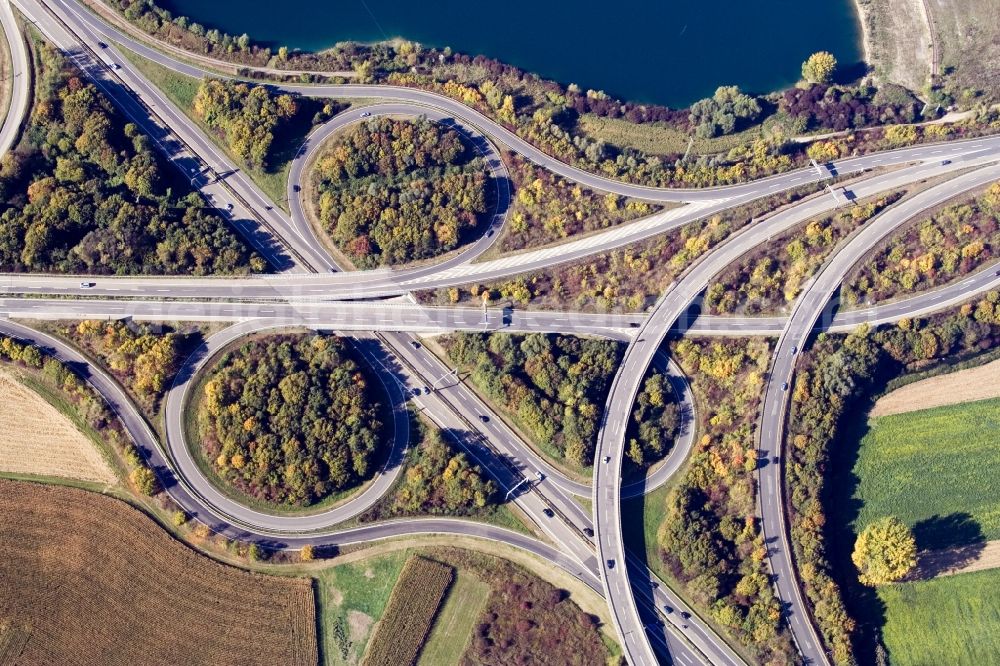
{"points": [[310, 292]]}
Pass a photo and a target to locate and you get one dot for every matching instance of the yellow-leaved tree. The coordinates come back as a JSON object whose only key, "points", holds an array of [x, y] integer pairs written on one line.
{"points": [[884, 552]]}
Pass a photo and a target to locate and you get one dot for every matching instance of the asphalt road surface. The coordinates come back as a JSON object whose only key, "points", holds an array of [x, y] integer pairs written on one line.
{"points": [[807, 311]]}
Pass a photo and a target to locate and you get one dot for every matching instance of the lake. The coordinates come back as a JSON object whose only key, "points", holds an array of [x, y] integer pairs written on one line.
{"points": [[671, 52]]}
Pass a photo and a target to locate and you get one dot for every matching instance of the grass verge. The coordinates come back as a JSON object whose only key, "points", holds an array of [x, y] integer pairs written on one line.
{"points": [[350, 599]]}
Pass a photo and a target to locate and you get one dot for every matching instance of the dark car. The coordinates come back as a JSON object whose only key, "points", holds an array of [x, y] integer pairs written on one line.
{"points": [[484, 418], [296, 188], [685, 615], [611, 564], [414, 344], [588, 532], [668, 609], [784, 386], [549, 513]]}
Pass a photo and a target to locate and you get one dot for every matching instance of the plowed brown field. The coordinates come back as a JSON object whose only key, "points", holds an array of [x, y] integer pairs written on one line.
{"points": [[86, 579]]}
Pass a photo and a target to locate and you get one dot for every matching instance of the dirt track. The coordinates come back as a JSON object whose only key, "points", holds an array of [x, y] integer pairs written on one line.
{"points": [[964, 386]]}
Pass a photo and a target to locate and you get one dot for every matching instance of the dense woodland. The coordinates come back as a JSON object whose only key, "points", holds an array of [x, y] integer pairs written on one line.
{"points": [[655, 421], [769, 278], [950, 243], [553, 386], [143, 357], [392, 191], [836, 376], [710, 539], [247, 116], [290, 419], [85, 192], [437, 480]]}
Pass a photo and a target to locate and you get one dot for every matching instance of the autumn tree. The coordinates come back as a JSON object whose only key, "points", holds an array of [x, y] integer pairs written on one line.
{"points": [[290, 419], [553, 385], [726, 111], [394, 191], [307, 553], [94, 199], [248, 115], [144, 480], [144, 359], [884, 552], [819, 67], [439, 480]]}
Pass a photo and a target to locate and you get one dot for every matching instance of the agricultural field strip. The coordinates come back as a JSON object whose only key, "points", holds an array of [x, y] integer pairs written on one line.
{"points": [[74, 556], [410, 613], [35, 438], [966, 385]]}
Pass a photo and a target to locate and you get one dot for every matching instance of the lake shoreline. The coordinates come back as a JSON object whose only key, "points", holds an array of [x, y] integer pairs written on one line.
{"points": [[656, 58], [866, 36]]}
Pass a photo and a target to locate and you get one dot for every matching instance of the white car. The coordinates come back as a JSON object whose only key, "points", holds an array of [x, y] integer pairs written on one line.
{"points": [[87, 285], [366, 114]]}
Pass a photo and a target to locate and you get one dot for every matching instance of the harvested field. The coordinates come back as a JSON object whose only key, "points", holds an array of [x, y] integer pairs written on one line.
{"points": [[968, 385], [35, 438], [86, 579], [408, 617], [958, 559]]}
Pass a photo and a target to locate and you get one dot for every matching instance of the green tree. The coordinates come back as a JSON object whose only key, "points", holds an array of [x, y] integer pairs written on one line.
{"points": [[819, 67], [884, 552]]}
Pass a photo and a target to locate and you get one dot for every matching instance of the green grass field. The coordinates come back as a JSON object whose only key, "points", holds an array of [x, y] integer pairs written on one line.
{"points": [[351, 598], [455, 620], [937, 470], [950, 620]]}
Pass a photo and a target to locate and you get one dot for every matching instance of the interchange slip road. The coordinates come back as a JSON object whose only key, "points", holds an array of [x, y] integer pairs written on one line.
{"points": [[808, 309], [310, 294]]}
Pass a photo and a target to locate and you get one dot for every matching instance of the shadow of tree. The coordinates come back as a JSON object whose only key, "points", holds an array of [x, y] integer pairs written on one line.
{"points": [[946, 542], [955, 529]]}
